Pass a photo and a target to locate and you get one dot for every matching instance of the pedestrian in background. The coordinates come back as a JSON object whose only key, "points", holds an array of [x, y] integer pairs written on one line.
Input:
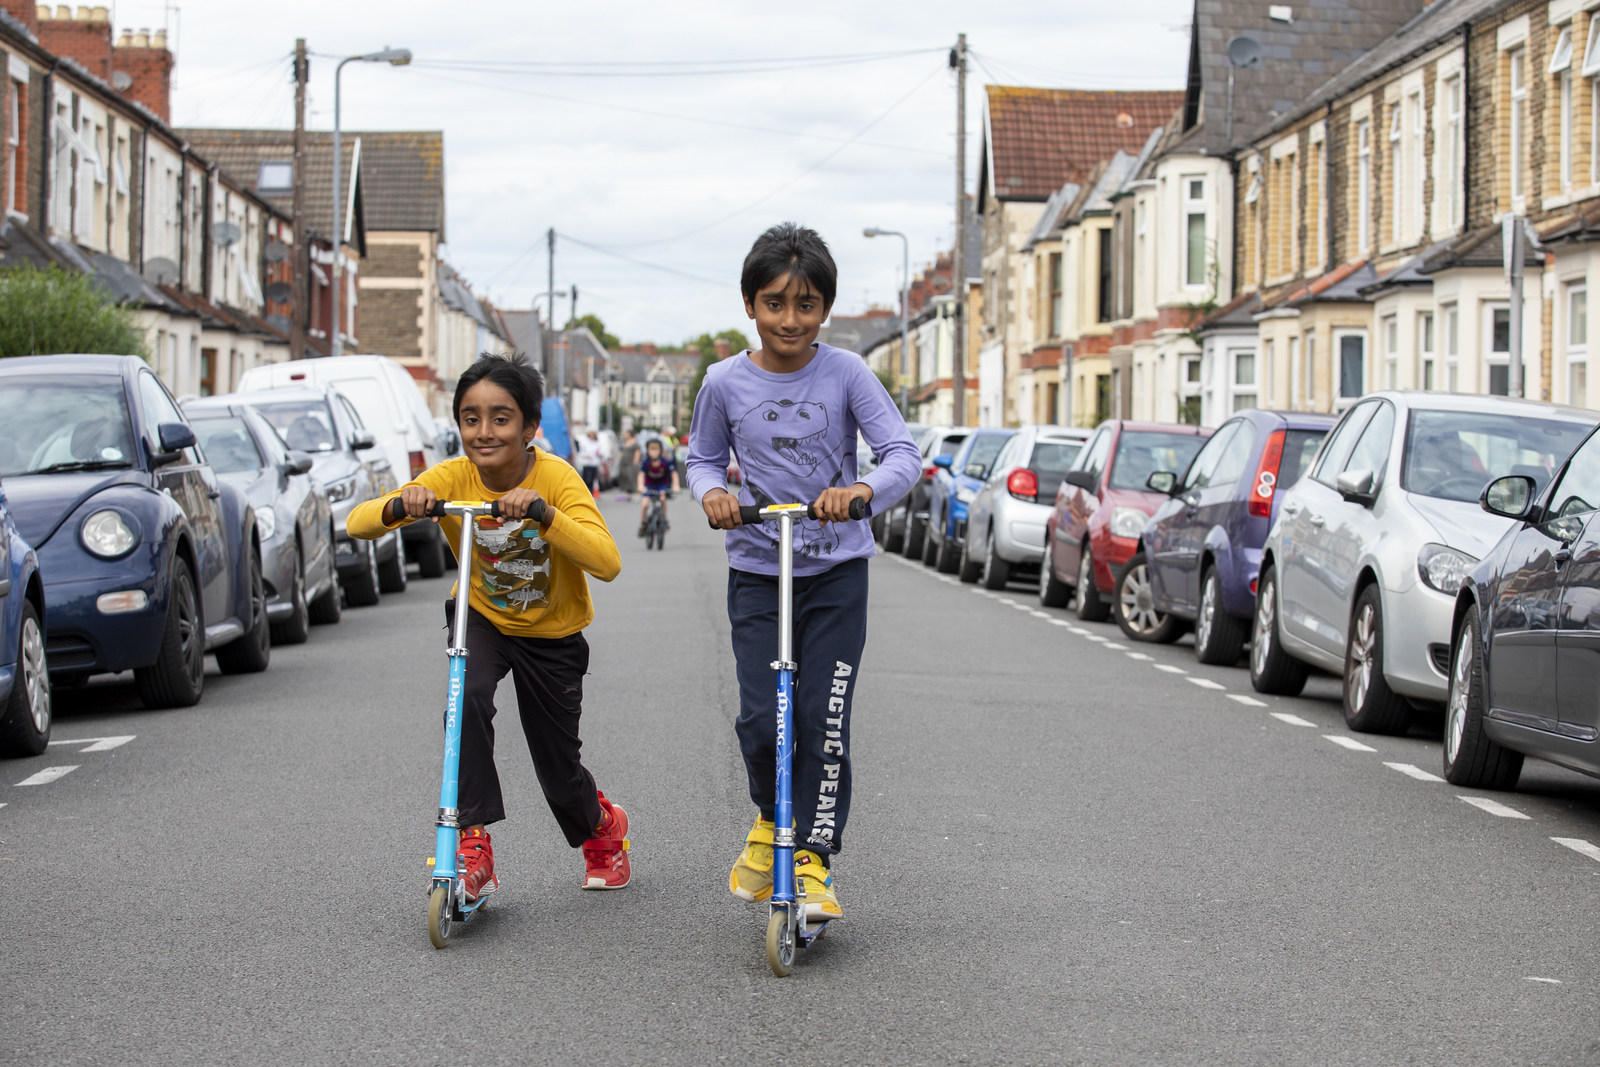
{"points": [[589, 461], [628, 464]]}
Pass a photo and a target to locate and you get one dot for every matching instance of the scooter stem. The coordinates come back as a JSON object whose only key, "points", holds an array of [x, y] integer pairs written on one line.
{"points": [[449, 825], [783, 887]]}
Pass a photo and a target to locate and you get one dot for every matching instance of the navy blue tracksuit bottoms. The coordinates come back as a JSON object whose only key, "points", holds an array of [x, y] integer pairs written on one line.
{"points": [[830, 629]]}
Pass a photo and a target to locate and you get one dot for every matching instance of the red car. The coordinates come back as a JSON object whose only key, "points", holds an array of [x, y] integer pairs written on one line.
{"points": [[1103, 505]]}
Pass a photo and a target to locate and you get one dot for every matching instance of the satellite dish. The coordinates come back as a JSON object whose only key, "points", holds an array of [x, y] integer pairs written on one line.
{"points": [[160, 271], [278, 322], [275, 252], [225, 234], [278, 292], [1244, 52], [121, 81]]}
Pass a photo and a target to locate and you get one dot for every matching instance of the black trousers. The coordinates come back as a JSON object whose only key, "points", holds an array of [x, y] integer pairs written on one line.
{"points": [[830, 629], [548, 673]]}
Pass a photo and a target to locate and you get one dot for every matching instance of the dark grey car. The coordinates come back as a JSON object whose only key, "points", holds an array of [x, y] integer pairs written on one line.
{"points": [[293, 515]]}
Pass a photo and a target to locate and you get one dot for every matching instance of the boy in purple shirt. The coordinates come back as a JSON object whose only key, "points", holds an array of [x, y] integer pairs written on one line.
{"points": [[790, 411]]}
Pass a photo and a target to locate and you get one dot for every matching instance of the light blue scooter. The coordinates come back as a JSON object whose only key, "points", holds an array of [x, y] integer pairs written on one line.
{"points": [[447, 901], [786, 920]]}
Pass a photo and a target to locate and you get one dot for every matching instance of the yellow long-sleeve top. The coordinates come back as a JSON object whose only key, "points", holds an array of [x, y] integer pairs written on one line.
{"points": [[528, 581]]}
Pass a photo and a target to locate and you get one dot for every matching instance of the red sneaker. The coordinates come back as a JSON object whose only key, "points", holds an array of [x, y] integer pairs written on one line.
{"points": [[605, 855], [475, 864]]}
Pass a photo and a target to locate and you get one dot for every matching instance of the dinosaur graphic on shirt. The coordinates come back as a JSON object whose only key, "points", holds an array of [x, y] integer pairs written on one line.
{"points": [[797, 432]]}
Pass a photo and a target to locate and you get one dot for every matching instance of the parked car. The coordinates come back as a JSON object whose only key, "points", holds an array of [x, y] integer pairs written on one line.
{"points": [[866, 461], [1198, 558], [392, 410], [25, 709], [901, 518], [1524, 676], [1103, 505], [1360, 573], [321, 423], [149, 560], [292, 511], [448, 438], [1006, 522], [955, 486]]}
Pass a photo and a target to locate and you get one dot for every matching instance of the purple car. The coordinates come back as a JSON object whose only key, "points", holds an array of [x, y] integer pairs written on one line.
{"points": [[1197, 560]]}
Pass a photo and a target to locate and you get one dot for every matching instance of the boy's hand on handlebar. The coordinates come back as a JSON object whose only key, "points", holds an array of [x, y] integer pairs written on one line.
{"points": [[414, 502], [834, 504], [722, 508], [515, 504]]}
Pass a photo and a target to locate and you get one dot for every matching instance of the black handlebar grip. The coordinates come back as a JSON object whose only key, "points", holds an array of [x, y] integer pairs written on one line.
{"points": [[436, 510], [749, 516], [535, 511], [858, 509]]}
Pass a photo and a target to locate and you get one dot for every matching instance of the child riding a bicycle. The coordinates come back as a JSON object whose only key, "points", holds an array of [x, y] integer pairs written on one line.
{"points": [[658, 476]]}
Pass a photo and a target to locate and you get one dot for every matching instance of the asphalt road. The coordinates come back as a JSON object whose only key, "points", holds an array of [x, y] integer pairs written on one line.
{"points": [[1064, 849]]}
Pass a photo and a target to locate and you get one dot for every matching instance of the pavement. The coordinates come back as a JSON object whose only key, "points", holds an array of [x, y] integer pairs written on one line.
{"points": [[1064, 848]]}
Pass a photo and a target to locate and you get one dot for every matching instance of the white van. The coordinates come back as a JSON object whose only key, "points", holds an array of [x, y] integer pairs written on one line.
{"points": [[386, 397]]}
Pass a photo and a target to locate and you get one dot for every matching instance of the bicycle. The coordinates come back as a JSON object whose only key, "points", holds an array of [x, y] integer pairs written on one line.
{"points": [[655, 521]]}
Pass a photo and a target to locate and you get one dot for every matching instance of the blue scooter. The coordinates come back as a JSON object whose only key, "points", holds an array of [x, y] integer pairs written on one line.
{"points": [[447, 901], [786, 920]]}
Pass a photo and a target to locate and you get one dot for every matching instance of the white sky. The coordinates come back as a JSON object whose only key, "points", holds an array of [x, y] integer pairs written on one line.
{"points": [[660, 187]]}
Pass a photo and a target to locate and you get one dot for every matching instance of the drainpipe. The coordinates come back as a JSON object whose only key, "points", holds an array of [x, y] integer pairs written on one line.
{"points": [[144, 191], [183, 215], [1327, 186], [1466, 123]]}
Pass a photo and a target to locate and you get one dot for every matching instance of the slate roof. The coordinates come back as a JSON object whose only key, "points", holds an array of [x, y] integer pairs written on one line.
{"points": [[1238, 312], [1324, 38], [858, 333], [1476, 248], [1036, 140]]}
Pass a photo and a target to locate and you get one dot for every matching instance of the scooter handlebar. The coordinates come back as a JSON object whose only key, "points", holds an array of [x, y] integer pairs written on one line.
{"points": [[437, 511], [751, 515]]}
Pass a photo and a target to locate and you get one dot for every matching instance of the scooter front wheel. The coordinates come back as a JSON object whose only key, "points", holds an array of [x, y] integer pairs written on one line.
{"points": [[780, 943], [440, 908]]}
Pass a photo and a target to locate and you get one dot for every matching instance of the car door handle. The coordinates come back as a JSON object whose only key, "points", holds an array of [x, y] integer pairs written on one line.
{"points": [[1291, 509], [1316, 520], [214, 493]]}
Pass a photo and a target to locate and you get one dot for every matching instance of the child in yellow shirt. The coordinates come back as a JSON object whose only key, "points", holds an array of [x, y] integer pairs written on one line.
{"points": [[529, 602]]}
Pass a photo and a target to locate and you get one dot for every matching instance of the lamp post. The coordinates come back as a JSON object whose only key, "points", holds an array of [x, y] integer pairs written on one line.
{"points": [[398, 57], [905, 308]]}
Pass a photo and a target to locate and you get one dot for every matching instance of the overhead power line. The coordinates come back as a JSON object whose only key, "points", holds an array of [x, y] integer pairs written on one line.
{"points": [[689, 68], [603, 250]]}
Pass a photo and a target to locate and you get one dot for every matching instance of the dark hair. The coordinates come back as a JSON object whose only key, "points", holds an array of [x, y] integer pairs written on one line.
{"points": [[794, 250], [511, 372]]}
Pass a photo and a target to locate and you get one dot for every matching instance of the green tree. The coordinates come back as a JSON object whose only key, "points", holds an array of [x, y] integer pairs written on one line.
{"points": [[737, 342], [49, 311], [596, 327]]}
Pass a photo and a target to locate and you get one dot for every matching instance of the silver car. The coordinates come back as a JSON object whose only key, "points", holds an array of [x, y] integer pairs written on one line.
{"points": [[1360, 572], [1006, 521]]}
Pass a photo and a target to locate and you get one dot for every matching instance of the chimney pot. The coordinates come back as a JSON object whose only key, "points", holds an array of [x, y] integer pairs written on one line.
{"points": [[43, 13], [63, 12], [82, 14], [159, 40], [142, 38], [126, 40], [100, 14]]}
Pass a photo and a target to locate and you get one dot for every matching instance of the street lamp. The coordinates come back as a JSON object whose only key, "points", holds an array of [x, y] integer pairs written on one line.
{"points": [[905, 308], [397, 57]]}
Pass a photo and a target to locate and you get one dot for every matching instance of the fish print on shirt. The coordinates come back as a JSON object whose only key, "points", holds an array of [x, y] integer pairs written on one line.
{"points": [[796, 430], [513, 563]]}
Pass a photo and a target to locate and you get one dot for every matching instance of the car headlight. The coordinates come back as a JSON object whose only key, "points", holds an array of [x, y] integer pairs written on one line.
{"points": [[266, 523], [1127, 522], [343, 489], [107, 534], [965, 495], [1444, 568]]}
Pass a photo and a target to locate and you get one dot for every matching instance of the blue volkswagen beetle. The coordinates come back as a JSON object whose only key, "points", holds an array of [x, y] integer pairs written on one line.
{"points": [[149, 562], [24, 679]]}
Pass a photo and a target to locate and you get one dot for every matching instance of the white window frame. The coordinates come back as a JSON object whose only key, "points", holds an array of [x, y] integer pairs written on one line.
{"points": [[1577, 344], [1308, 373], [13, 141], [1427, 378], [1452, 88], [1364, 186], [1340, 334], [1195, 206], [1561, 68], [1391, 351], [1452, 347], [1396, 184], [1240, 391], [1518, 78], [1294, 373], [1419, 163], [1493, 357]]}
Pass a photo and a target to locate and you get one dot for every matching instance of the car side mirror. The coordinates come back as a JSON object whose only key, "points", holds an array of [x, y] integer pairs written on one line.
{"points": [[1510, 497], [1162, 482], [360, 439], [942, 461], [1356, 486], [172, 438], [1081, 479], [299, 462]]}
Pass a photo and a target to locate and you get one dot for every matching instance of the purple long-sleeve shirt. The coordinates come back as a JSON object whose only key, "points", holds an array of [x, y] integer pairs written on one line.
{"points": [[794, 436]]}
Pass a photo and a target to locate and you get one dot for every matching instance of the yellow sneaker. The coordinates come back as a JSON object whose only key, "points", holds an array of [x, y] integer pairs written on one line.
{"points": [[751, 877], [822, 896]]}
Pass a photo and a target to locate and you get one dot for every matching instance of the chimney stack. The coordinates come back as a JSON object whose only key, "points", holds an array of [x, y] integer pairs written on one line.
{"points": [[24, 11], [724, 348], [148, 64], [85, 36]]}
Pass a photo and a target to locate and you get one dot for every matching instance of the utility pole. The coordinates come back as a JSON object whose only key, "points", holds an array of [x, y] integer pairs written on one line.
{"points": [[1511, 245], [958, 265], [300, 271], [550, 313]]}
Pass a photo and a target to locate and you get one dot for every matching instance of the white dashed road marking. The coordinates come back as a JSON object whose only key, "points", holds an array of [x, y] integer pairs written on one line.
{"points": [[1249, 702], [1493, 807], [1116, 647], [1580, 846], [1551, 981], [1062, 622], [1204, 683], [1139, 656], [1095, 637], [1169, 668], [96, 744], [48, 775], [1413, 772], [1292, 720], [1349, 742], [1041, 615]]}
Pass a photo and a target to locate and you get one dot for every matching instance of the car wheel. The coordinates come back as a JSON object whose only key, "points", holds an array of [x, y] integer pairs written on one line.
{"points": [[1470, 758], [930, 547], [362, 589], [1370, 706], [253, 651], [430, 556], [1091, 606], [880, 528], [177, 677], [967, 570], [1272, 670], [916, 538], [949, 558], [1133, 601], [25, 724], [297, 627], [1053, 592], [1218, 636], [392, 575], [894, 537], [996, 571], [327, 609]]}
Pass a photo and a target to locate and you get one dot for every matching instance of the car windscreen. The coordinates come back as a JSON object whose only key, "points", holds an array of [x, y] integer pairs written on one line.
{"points": [[1299, 446], [227, 444], [56, 424], [984, 449], [1452, 455], [1051, 461], [1140, 453], [303, 424], [950, 444]]}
